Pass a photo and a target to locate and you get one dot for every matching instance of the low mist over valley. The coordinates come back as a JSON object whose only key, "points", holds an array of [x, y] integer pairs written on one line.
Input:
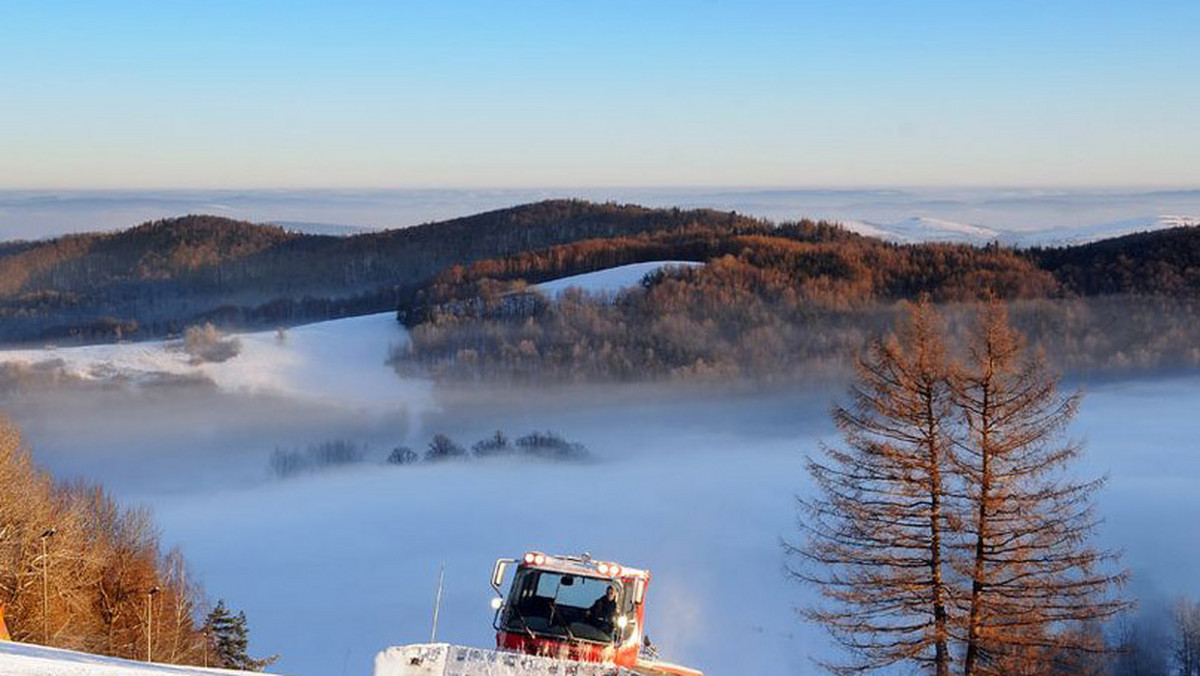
{"points": [[695, 481]]}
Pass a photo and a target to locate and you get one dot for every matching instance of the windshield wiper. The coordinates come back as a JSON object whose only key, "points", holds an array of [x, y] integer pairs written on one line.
{"points": [[553, 612], [521, 616]]}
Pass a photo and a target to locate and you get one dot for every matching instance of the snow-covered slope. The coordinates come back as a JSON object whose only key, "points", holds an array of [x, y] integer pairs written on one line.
{"points": [[23, 659], [610, 280], [340, 362], [1084, 235]]}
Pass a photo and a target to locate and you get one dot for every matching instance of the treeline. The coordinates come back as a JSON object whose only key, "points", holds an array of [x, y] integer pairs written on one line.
{"points": [[1158, 641], [576, 339], [291, 462], [78, 571], [1163, 262], [540, 445], [775, 303], [156, 278], [817, 263]]}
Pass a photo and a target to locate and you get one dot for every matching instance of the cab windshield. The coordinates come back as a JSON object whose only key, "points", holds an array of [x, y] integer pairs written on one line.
{"points": [[558, 604]]}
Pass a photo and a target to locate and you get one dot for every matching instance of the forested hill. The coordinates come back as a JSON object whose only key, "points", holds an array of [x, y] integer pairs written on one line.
{"points": [[157, 277], [1163, 262], [776, 302]]}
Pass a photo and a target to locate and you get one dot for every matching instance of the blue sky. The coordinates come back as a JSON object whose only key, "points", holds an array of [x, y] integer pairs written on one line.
{"points": [[512, 94]]}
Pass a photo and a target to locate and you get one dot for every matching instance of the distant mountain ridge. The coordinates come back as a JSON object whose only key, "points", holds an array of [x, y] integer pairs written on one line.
{"points": [[920, 229], [159, 277], [1113, 229]]}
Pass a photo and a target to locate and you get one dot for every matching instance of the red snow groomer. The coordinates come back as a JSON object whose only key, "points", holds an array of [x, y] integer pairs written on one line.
{"points": [[562, 615]]}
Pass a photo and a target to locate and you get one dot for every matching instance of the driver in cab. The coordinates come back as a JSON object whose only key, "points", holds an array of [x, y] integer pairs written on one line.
{"points": [[602, 614]]}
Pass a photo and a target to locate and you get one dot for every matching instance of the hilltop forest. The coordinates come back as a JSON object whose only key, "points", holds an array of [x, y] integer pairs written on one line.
{"points": [[773, 301], [778, 302], [157, 278]]}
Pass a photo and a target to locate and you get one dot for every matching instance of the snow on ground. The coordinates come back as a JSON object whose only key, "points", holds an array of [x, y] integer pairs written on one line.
{"points": [[340, 362], [693, 483], [333, 567], [925, 229], [610, 280], [22, 659], [1084, 235]]}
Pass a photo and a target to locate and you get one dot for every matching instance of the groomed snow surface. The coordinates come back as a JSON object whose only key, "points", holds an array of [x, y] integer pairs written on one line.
{"points": [[694, 483], [22, 659]]}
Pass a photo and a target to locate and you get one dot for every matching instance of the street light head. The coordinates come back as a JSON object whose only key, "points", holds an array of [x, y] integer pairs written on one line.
{"points": [[48, 532]]}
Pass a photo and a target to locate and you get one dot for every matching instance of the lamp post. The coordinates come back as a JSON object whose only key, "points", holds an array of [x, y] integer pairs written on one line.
{"points": [[150, 623], [45, 537]]}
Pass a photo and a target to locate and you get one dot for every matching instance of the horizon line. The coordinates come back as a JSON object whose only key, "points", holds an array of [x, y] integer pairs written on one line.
{"points": [[780, 187]]}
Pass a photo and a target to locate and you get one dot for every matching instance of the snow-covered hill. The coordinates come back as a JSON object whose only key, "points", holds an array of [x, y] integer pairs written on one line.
{"points": [[923, 229], [608, 281], [1084, 235], [340, 362], [23, 659]]}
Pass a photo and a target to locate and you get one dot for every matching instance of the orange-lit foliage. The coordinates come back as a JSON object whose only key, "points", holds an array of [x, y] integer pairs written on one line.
{"points": [[79, 572]]}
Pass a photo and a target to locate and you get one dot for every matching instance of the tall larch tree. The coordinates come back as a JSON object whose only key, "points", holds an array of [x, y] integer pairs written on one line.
{"points": [[878, 529], [1034, 578]]}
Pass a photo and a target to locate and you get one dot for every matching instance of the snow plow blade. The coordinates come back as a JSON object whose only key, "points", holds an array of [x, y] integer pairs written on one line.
{"points": [[443, 659]]}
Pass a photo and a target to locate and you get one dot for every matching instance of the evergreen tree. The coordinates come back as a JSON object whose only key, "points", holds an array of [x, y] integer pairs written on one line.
{"points": [[228, 636]]}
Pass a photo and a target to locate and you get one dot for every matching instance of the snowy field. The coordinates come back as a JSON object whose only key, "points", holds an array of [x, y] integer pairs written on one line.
{"points": [[337, 363], [697, 484], [21, 659]]}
